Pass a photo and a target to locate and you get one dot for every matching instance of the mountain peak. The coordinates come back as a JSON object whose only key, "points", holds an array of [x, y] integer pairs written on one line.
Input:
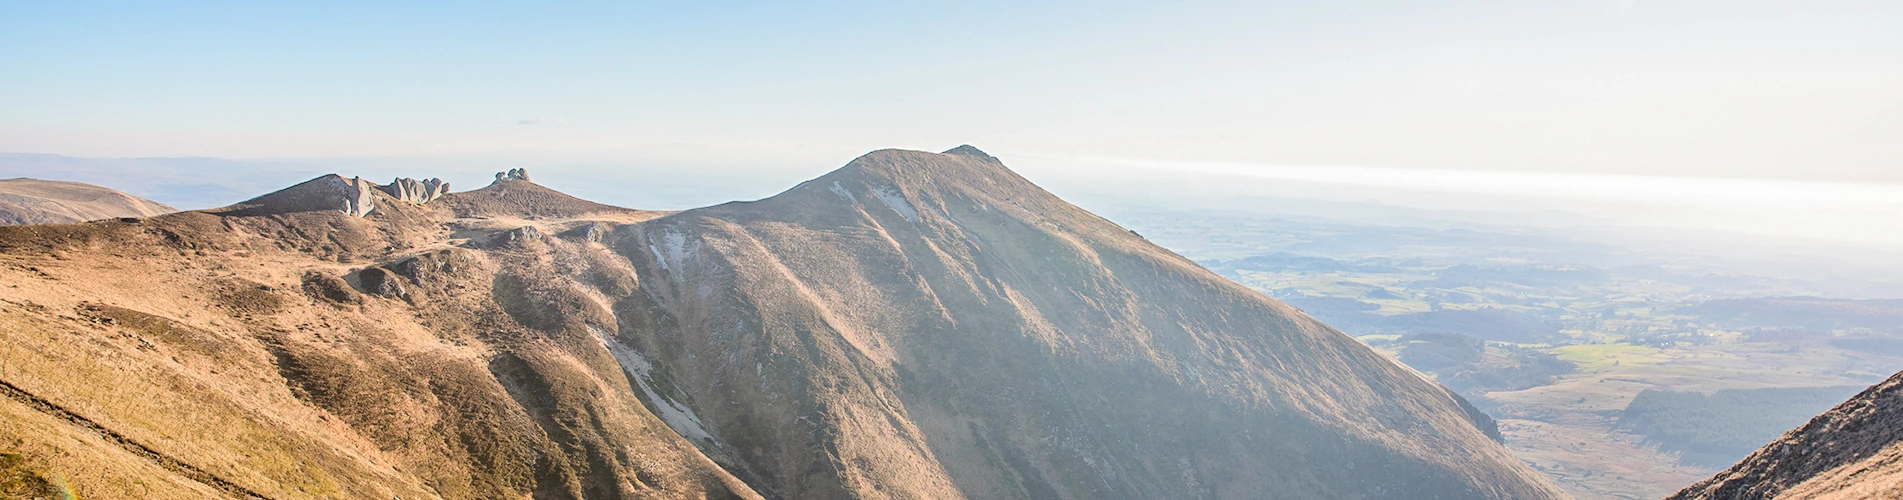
{"points": [[514, 194], [353, 196], [968, 150]]}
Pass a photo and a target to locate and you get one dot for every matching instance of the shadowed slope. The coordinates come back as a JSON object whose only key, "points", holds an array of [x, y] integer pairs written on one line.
{"points": [[34, 201], [1853, 451], [941, 327]]}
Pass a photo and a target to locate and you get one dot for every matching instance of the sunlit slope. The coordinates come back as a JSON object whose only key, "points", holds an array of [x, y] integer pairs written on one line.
{"points": [[933, 325], [309, 354], [913, 325]]}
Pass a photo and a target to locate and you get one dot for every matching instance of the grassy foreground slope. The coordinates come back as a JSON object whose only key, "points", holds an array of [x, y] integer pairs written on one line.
{"points": [[317, 355]]}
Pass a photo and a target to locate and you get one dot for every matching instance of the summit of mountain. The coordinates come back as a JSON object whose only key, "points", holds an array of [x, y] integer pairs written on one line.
{"points": [[36, 201], [911, 325], [522, 198]]}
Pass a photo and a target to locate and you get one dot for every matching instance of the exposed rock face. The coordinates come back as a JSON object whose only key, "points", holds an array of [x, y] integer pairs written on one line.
{"points": [[356, 197], [1853, 451], [34, 201], [415, 191], [514, 174]]}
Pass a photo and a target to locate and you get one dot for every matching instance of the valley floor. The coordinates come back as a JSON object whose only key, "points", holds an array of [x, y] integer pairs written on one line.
{"points": [[1556, 339]]}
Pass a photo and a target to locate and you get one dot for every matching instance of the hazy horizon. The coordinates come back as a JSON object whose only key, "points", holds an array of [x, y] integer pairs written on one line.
{"points": [[1593, 249], [1701, 89]]}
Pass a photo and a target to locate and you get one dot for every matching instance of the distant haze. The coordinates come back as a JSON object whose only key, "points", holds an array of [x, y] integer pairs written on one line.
{"points": [[1704, 88]]}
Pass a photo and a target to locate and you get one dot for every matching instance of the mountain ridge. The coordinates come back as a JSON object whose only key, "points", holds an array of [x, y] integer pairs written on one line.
{"points": [[34, 201], [912, 324]]}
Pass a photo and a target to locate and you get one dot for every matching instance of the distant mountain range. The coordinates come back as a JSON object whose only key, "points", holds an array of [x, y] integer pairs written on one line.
{"points": [[912, 325]]}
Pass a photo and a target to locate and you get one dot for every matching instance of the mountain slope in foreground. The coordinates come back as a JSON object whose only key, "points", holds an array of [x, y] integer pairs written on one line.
{"points": [[913, 325], [34, 201], [1853, 451]]}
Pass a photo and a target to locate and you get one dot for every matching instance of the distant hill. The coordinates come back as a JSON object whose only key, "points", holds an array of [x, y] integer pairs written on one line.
{"points": [[34, 201], [912, 325], [1853, 451]]}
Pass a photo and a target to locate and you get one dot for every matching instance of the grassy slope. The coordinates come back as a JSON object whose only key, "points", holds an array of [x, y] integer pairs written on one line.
{"points": [[195, 350]]}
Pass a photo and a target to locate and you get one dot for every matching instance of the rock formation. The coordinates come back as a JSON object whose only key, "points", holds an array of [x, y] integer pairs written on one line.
{"points": [[514, 174], [356, 197], [415, 191]]}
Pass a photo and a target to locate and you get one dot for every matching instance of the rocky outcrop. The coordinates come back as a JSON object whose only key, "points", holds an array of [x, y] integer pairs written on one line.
{"points": [[354, 196], [592, 232], [514, 174], [381, 282], [514, 237], [415, 191]]}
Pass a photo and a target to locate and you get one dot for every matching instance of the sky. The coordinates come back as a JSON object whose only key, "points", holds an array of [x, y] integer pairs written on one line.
{"points": [[1767, 89]]}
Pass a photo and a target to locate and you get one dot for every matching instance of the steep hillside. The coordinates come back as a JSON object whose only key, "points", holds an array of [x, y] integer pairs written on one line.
{"points": [[941, 327], [34, 201], [296, 351], [1853, 451], [913, 325]]}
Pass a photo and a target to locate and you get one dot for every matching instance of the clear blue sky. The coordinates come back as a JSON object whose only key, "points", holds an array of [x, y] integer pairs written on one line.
{"points": [[1789, 89]]}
